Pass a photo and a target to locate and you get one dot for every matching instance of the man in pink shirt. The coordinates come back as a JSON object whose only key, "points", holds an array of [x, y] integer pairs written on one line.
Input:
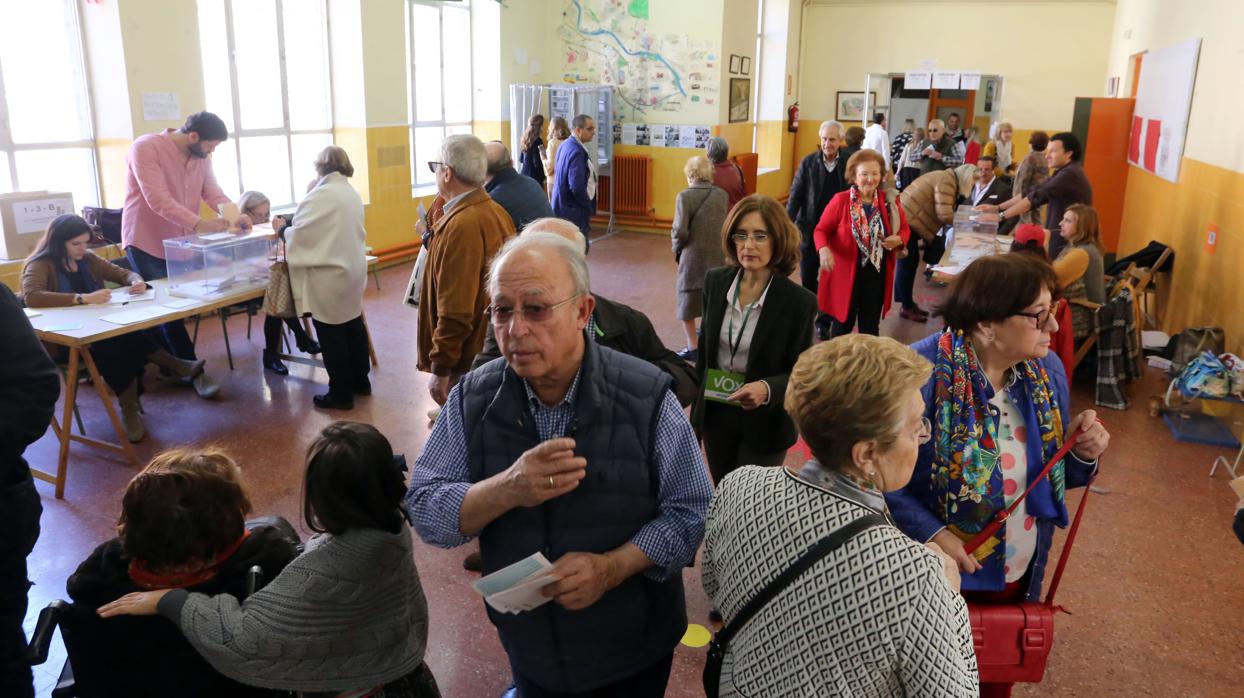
{"points": [[168, 175]]}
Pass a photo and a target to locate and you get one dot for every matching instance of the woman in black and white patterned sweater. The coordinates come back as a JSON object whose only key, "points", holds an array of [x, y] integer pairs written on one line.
{"points": [[880, 616]]}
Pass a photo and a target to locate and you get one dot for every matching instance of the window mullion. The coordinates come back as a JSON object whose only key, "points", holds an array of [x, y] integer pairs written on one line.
{"points": [[6, 135], [231, 45], [280, 48]]}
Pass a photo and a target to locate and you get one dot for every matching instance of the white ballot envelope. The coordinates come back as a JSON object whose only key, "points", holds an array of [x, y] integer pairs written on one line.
{"points": [[517, 588]]}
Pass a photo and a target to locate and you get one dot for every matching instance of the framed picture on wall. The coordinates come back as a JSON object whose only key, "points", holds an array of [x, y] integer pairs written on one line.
{"points": [[851, 105], [735, 64], [740, 99], [990, 86], [746, 67]]}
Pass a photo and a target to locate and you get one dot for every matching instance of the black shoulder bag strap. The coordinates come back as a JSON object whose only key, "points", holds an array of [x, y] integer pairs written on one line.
{"points": [[828, 544]]}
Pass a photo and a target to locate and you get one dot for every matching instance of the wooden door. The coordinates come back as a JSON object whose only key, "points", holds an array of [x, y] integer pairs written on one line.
{"points": [[943, 102]]}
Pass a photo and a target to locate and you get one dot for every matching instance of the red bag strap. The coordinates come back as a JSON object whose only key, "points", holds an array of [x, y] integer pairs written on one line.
{"points": [[1000, 518], [1071, 539]]}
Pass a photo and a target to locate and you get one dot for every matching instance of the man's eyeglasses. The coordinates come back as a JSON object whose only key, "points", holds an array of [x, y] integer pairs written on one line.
{"points": [[758, 238], [434, 166], [532, 312], [1041, 319]]}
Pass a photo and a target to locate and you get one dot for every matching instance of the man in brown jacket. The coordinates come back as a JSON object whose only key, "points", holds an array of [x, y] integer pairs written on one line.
{"points": [[463, 242]]}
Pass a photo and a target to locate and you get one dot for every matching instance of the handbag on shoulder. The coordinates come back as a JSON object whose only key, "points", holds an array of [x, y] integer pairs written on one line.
{"points": [[278, 298], [828, 544]]}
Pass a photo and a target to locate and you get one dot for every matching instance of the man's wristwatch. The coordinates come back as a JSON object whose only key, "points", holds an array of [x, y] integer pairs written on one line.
{"points": [[77, 299]]}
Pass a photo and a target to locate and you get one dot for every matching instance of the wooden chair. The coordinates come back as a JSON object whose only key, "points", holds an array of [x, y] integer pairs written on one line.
{"points": [[1144, 282], [1124, 280]]}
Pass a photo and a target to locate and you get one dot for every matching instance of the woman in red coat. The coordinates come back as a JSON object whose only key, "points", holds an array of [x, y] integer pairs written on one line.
{"points": [[860, 236]]}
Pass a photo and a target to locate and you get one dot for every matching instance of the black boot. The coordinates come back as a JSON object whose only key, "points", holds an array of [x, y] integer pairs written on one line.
{"points": [[272, 362]]}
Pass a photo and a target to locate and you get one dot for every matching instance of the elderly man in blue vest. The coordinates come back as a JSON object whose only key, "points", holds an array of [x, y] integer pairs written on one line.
{"points": [[574, 183], [579, 452]]}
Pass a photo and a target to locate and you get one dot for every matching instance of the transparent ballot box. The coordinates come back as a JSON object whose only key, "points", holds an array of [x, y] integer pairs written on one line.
{"points": [[218, 264]]}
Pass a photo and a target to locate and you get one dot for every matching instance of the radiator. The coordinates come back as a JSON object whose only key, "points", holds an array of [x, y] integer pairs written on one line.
{"points": [[633, 187]]}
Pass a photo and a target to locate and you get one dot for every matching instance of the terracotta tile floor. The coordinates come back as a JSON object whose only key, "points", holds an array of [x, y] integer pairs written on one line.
{"points": [[1154, 583]]}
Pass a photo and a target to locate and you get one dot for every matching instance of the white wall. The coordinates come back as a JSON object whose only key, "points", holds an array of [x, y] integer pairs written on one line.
{"points": [[1214, 134], [1049, 52]]}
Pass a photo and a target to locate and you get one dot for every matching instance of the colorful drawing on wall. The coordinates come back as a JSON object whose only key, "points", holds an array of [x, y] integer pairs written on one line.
{"points": [[740, 99], [609, 42], [1163, 102], [851, 105]]}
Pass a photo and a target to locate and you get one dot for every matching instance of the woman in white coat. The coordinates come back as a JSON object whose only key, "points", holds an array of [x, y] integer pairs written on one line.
{"points": [[328, 272]]}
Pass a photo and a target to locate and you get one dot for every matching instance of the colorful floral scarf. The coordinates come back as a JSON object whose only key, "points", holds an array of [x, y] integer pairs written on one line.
{"points": [[870, 233], [965, 438]]}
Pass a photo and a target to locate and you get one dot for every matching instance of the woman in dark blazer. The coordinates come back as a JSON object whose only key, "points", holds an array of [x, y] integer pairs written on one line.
{"points": [[756, 323]]}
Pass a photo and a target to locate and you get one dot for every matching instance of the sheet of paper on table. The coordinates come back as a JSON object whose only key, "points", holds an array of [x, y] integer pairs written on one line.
{"points": [[517, 588], [60, 327], [31, 313], [129, 317], [121, 296], [183, 303], [947, 270]]}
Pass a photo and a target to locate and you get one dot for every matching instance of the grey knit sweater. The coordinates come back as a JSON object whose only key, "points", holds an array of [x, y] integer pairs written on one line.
{"points": [[349, 613]]}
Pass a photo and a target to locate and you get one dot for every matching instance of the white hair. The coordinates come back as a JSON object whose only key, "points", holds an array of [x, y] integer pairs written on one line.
{"points": [[832, 124], [939, 122], [571, 254], [465, 155], [557, 226]]}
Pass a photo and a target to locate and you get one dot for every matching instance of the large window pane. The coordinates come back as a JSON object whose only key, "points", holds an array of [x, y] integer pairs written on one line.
{"points": [[426, 25], [225, 167], [457, 65], [306, 65], [306, 147], [214, 48], [427, 147], [41, 62], [61, 169], [265, 167], [258, 63]]}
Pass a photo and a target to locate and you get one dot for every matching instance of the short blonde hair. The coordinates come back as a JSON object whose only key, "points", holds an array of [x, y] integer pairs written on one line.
{"points": [[852, 389], [699, 169], [333, 159]]}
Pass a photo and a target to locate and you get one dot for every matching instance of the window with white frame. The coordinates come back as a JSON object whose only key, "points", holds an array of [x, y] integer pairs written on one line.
{"points": [[438, 51], [760, 42], [46, 138], [266, 74]]}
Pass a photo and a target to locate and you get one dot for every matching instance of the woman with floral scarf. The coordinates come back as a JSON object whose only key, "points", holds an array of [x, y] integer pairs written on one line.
{"points": [[862, 232], [1000, 409]]}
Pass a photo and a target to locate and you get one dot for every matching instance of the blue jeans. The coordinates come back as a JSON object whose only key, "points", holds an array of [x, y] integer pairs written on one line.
{"points": [[171, 335]]}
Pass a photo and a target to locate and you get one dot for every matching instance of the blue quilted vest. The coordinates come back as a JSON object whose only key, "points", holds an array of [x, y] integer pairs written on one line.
{"points": [[633, 625]]}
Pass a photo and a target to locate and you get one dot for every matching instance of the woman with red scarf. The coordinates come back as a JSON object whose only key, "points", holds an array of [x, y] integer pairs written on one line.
{"points": [[183, 526], [862, 232]]}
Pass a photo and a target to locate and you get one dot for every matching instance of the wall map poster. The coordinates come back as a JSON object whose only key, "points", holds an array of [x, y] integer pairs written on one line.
{"points": [[654, 73]]}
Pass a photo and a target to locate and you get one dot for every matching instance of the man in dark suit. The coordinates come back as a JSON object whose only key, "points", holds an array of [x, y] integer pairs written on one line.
{"points": [[574, 183], [991, 189], [821, 175]]}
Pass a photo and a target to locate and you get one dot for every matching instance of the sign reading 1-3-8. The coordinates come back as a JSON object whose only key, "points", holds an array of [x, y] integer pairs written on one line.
{"points": [[35, 215]]}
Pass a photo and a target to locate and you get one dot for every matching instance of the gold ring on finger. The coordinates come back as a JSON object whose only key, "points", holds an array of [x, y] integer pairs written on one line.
{"points": [[552, 485]]}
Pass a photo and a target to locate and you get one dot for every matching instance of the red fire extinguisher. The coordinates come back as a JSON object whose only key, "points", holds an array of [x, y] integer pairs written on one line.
{"points": [[792, 118]]}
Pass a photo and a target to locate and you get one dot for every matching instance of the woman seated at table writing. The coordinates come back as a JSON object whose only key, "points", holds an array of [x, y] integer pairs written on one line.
{"points": [[257, 206], [63, 272]]}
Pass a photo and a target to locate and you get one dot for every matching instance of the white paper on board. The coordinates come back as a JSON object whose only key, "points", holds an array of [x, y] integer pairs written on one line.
{"points": [[969, 81], [161, 106], [919, 80], [945, 80], [535, 66]]}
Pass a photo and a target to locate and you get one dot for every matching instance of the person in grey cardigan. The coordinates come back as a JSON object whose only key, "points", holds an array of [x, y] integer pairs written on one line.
{"points": [[699, 213], [348, 614]]}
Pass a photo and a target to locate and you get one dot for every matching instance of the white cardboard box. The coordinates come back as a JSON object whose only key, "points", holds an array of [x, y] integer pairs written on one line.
{"points": [[24, 217]]}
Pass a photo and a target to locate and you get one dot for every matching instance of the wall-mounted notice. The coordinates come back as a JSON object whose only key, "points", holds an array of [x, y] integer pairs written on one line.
{"points": [[1163, 101], [969, 81], [920, 80], [161, 106], [945, 80]]}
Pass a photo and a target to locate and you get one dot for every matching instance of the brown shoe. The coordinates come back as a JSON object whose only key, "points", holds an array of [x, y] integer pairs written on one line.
{"points": [[473, 562]]}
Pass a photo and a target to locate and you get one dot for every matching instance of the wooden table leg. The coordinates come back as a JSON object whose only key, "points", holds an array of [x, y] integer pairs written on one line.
{"points": [[71, 393], [105, 395], [371, 348]]}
